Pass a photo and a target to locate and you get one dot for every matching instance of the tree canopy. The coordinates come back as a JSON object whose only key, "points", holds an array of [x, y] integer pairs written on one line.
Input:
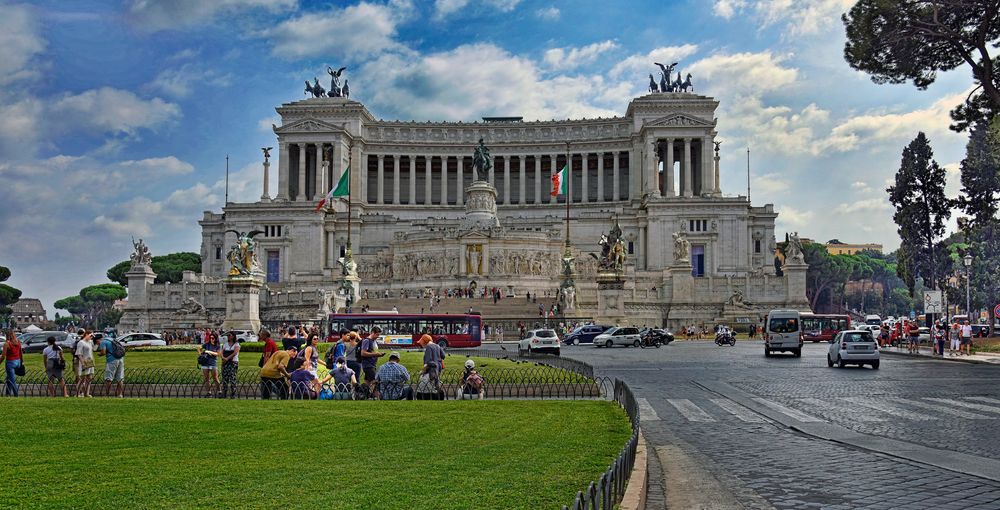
{"points": [[896, 41], [8, 295], [94, 304], [168, 268]]}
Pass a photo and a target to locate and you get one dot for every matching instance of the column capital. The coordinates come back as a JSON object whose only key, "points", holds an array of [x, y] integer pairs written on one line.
{"points": [[687, 139], [380, 156]]}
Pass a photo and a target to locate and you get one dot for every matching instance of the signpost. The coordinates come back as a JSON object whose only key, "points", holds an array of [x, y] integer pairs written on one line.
{"points": [[933, 303], [996, 312]]}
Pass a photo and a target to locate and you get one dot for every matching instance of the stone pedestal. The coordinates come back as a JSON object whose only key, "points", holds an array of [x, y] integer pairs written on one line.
{"points": [[136, 316], [480, 207], [349, 289], [243, 302], [682, 283], [611, 300], [795, 285]]}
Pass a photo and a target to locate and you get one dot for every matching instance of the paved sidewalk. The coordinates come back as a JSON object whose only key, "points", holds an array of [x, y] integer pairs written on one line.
{"points": [[926, 352]]}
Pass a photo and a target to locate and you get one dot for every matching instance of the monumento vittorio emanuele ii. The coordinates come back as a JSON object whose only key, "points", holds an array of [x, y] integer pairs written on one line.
{"points": [[422, 215]]}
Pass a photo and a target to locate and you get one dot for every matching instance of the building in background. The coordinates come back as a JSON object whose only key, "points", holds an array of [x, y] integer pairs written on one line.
{"points": [[28, 311], [835, 247]]}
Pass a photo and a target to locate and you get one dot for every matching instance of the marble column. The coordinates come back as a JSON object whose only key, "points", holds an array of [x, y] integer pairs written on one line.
{"points": [[707, 170], [552, 198], [266, 195], [569, 178], [444, 180], [319, 175], [395, 179], [600, 176], [413, 179], [585, 171], [616, 174], [380, 193], [428, 199], [492, 174], [460, 186], [652, 165], [522, 187], [283, 171], [363, 176], [301, 195], [718, 183], [506, 180], [669, 169], [538, 179], [688, 174]]}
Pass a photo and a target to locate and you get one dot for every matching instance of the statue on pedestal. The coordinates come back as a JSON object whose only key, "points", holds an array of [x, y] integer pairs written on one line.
{"points": [[482, 161], [793, 250], [335, 89], [612, 258], [141, 256], [242, 256], [682, 249]]}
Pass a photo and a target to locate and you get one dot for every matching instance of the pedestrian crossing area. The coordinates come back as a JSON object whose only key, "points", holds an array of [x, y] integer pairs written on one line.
{"points": [[809, 410]]}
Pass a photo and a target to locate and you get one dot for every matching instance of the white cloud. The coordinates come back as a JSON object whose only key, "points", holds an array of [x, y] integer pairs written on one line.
{"points": [[20, 127], [637, 66], [111, 111], [155, 15], [354, 32], [727, 8], [743, 73], [794, 219], [571, 58], [550, 13], [169, 165], [771, 183], [20, 41], [868, 205], [445, 8], [879, 127], [801, 17], [460, 85], [179, 81]]}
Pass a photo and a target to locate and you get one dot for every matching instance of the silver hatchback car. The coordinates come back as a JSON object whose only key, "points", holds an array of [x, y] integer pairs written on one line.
{"points": [[853, 347]]}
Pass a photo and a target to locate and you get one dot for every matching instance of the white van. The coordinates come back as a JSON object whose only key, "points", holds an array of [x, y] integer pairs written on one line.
{"points": [[783, 332], [873, 320]]}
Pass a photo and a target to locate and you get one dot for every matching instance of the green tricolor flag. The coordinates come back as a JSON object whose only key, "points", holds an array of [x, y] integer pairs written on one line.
{"points": [[343, 189], [560, 184]]}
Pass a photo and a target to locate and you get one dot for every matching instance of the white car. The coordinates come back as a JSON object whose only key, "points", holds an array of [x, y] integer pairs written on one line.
{"points": [[853, 347], [142, 340], [242, 335], [539, 341], [618, 336]]}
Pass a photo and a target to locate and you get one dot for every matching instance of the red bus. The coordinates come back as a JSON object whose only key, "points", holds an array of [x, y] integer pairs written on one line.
{"points": [[823, 327], [403, 330]]}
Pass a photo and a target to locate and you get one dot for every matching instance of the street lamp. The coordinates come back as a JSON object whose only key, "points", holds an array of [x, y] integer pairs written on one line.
{"points": [[968, 268]]}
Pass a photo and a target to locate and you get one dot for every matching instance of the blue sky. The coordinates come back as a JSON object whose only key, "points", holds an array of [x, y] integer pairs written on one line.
{"points": [[116, 117]]}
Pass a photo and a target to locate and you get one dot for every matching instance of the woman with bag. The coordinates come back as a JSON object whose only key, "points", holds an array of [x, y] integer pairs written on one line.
{"points": [[55, 364], [208, 358], [85, 360], [311, 355], [13, 365], [230, 365]]}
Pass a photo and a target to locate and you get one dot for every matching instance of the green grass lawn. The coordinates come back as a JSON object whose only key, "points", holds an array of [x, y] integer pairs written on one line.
{"points": [[170, 454], [413, 361]]}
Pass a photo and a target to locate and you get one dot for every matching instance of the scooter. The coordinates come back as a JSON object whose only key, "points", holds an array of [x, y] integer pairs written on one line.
{"points": [[725, 337]]}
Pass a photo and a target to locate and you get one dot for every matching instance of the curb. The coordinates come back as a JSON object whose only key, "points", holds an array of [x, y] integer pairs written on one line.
{"points": [[958, 359], [636, 490]]}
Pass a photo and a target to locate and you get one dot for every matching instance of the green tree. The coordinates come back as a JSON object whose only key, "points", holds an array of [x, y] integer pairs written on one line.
{"points": [[896, 41], [72, 304], [94, 304], [826, 276], [980, 191], [8, 295], [921, 211], [168, 268]]}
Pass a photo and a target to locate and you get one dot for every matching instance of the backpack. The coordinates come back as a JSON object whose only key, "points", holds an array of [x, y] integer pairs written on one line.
{"points": [[117, 349], [360, 347], [296, 362], [330, 359]]}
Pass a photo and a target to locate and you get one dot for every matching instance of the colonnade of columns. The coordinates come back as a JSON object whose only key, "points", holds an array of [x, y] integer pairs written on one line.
{"points": [[696, 175], [305, 172]]}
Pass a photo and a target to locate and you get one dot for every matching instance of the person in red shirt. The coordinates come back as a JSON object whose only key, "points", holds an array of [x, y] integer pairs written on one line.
{"points": [[11, 356], [270, 347]]}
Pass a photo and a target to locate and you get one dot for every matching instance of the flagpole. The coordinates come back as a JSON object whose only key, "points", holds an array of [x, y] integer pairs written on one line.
{"points": [[350, 191], [569, 190]]}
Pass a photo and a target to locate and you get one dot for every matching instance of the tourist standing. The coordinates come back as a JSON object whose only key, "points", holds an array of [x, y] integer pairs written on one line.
{"points": [[311, 355], [274, 376], [55, 364], [270, 347], [393, 380], [433, 358], [352, 351], [370, 355], [84, 354], [208, 358], [11, 356], [288, 339], [966, 339], [230, 365], [114, 366]]}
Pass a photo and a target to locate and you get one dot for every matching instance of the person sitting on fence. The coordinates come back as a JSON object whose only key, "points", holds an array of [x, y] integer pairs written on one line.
{"points": [[393, 380], [472, 383], [305, 385], [344, 379], [273, 375]]}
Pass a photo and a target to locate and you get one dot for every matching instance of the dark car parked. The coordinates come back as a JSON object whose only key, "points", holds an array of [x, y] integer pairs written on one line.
{"points": [[980, 330], [36, 342], [584, 334]]}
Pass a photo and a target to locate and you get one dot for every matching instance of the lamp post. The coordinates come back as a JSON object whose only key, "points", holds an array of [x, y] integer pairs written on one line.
{"points": [[968, 273]]}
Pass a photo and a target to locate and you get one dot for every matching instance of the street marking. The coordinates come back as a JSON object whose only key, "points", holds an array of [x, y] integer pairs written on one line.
{"points": [[690, 411], [792, 413], [889, 409], [984, 399], [941, 409], [738, 411], [967, 405], [823, 404], [646, 411]]}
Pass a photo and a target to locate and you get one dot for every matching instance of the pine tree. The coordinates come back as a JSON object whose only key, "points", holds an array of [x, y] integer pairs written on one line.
{"points": [[980, 192], [921, 212]]}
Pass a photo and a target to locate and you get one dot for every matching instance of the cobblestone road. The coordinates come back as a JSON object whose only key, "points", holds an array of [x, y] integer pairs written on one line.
{"points": [[761, 462]]}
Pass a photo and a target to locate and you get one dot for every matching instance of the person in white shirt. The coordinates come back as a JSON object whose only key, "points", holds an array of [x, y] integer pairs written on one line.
{"points": [[55, 363], [85, 358], [966, 339]]}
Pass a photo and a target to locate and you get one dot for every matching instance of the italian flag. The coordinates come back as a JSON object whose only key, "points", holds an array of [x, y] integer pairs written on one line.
{"points": [[560, 183], [343, 189]]}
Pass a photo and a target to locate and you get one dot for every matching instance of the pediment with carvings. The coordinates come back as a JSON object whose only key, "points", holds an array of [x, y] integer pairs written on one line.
{"points": [[679, 120], [308, 126]]}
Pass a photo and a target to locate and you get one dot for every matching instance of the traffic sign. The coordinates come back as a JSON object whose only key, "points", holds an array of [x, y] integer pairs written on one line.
{"points": [[933, 303], [996, 312]]}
